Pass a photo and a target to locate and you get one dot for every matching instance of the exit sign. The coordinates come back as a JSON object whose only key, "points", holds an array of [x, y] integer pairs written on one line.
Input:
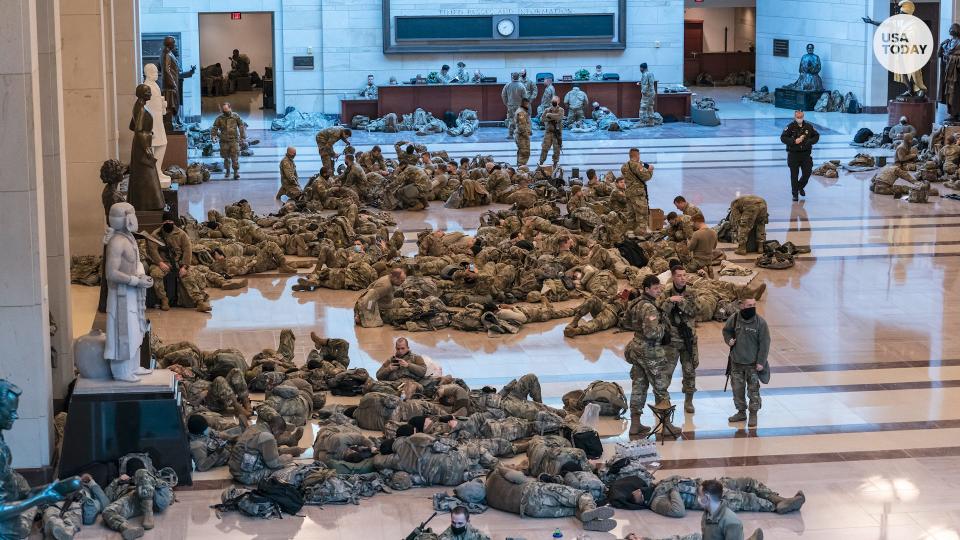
{"points": [[236, 16]]}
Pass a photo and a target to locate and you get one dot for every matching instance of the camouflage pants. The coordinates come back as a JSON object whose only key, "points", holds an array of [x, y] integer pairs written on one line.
{"points": [[689, 361], [510, 122], [527, 385], [639, 212], [747, 495], [543, 500], [523, 150], [646, 105], [56, 525], [550, 140], [326, 158], [745, 383], [602, 318], [116, 514], [193, 283], [269, 257], [230, 152], [649, 367], [749, 219], [289, 188], [887, 189]]}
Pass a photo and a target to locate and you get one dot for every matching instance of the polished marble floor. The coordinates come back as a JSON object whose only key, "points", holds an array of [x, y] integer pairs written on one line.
{"points": [[862, 409]]}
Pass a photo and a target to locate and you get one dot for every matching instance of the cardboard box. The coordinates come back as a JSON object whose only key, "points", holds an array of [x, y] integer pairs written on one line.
{"points": [[656, 219]]}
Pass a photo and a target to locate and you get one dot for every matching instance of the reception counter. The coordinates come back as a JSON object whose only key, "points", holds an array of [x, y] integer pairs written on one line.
{"points": [[621, 97]]}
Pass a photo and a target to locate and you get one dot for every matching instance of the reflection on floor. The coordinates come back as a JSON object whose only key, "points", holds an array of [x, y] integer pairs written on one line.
{"points": [[861, 412]]}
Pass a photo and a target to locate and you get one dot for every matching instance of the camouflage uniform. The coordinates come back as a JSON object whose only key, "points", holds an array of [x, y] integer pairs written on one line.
{"points": [[747, 212], [648, 95], [522, 120], [255, 455], [575, 100], [268, 257], [176, 254], [289, 181], [511, 491], [884, 182], [682, 230], [208, 451], [357, 276], [646, 354], [230, 129], [326, 138], [552, 120], [520, 389], [684, 312], [545, 100], [469, 534], [512, 93], [144, 495], [605, 314], [636, 177]]}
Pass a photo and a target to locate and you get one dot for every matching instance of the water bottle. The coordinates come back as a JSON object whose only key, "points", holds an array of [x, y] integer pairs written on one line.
{"points": [[557, 533]]}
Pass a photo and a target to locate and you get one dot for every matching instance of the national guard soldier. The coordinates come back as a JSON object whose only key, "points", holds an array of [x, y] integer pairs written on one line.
{"points": [[230, 130], [524, 130]]}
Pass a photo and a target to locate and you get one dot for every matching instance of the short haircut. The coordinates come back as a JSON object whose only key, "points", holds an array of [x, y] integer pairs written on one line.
{"points": [[698, 218], [196, 424], [632, 150], [403, 339], [347, 132], [461, 511], [713, 488], [405, 430], [524, 100], [591, 173], [671, 215], [675, 265], [375, 148], [650, 281], [370, 75], [444, 67], [599, 66], [679, 198]]}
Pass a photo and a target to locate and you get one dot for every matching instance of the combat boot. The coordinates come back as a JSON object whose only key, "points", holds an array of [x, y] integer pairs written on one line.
{"points": [[688, 403], [741, 251], [757, 293], [285, 268], [232, 284], [129, 533], [785, 506], [164, 304], [636, 428], [587, 509], [571, 331], [204, 307], [752, 422], [147, 507], [520, 447], [236, 175], [600, 525], [739, 417], [226, 174], [757, 535]]}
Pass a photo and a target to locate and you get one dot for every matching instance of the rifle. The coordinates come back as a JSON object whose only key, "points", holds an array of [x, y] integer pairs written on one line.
{"points": [[729, 360], [420, 528]]}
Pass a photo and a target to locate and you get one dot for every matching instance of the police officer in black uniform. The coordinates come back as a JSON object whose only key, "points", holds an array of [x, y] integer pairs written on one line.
{"points": [[799, 136]]}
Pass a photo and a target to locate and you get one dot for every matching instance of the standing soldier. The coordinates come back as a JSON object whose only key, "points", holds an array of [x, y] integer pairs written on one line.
{"points": [[648, 93], [749, 212], [678, 303], [328, 137], [547, 98], [749, 339], [524, 130], [646, 354], [529, 87], [512, 94], [230, 129], [289, 180], [552, 120], [636, 174], [370, 90]]}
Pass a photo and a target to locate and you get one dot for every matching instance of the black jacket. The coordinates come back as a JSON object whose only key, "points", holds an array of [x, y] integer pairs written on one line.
{"points": [[794, 130]]}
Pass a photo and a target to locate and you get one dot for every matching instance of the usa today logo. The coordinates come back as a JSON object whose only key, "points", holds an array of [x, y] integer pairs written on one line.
{"points": [[903, 44]]}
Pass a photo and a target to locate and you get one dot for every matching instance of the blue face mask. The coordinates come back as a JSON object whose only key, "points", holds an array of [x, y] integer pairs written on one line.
{"points": [[357, 248]]}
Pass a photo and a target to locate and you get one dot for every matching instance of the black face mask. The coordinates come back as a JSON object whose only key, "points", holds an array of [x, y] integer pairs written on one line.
{"points": [[679, 289], [168, 227], [748, 313], [458, 530]]}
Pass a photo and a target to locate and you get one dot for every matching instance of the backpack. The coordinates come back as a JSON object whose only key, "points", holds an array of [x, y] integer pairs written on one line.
{"points": [[851, 104], [863, 135], [286, 496], [608, 395], [631, 251], [248, 502], [589, 442]]}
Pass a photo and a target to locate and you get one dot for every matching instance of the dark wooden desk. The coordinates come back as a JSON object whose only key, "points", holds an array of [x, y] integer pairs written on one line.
{"points": [[621, 97], [676, 105], [352, 107]]}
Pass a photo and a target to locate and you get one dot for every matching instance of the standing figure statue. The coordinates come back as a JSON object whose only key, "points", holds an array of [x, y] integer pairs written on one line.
{"points": [[913, 81], [157, 106], [127, 285], [15, 496], [170, 66], [143, 190], [810, 67], [949, 55]]}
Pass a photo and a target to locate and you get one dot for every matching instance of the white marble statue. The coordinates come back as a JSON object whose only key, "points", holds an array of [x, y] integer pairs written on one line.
{"points": [[157, 106], [127, 286]]}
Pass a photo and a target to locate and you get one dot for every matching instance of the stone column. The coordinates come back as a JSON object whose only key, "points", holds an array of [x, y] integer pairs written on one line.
{"points": [[24, 327], [89, 114], [55, 190], [127, 71]]}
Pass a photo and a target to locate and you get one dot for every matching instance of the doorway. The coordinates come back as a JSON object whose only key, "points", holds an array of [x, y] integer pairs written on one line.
{"points": [[719, 42], [250, 92]]}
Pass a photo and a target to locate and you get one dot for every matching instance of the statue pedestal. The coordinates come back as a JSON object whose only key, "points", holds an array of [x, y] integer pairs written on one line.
{"points": [[920, 114], [176, 150], [798, 100], [108, 419]]}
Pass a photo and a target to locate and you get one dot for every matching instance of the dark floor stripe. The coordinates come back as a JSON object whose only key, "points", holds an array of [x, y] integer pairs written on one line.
{"points": [[835, 388], [794, 431], [866, 227], [791, 459], [844, 366]]}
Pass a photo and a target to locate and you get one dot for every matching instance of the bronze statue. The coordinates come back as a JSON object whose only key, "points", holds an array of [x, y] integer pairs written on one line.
{"points": [[111, 174], [949, 55], [14, 500], [143, 190], [810, 67], [170, 68]]}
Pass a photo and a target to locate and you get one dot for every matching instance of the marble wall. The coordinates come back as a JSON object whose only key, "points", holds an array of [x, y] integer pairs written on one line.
{"points": [[346, 37], [835, 28]]}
